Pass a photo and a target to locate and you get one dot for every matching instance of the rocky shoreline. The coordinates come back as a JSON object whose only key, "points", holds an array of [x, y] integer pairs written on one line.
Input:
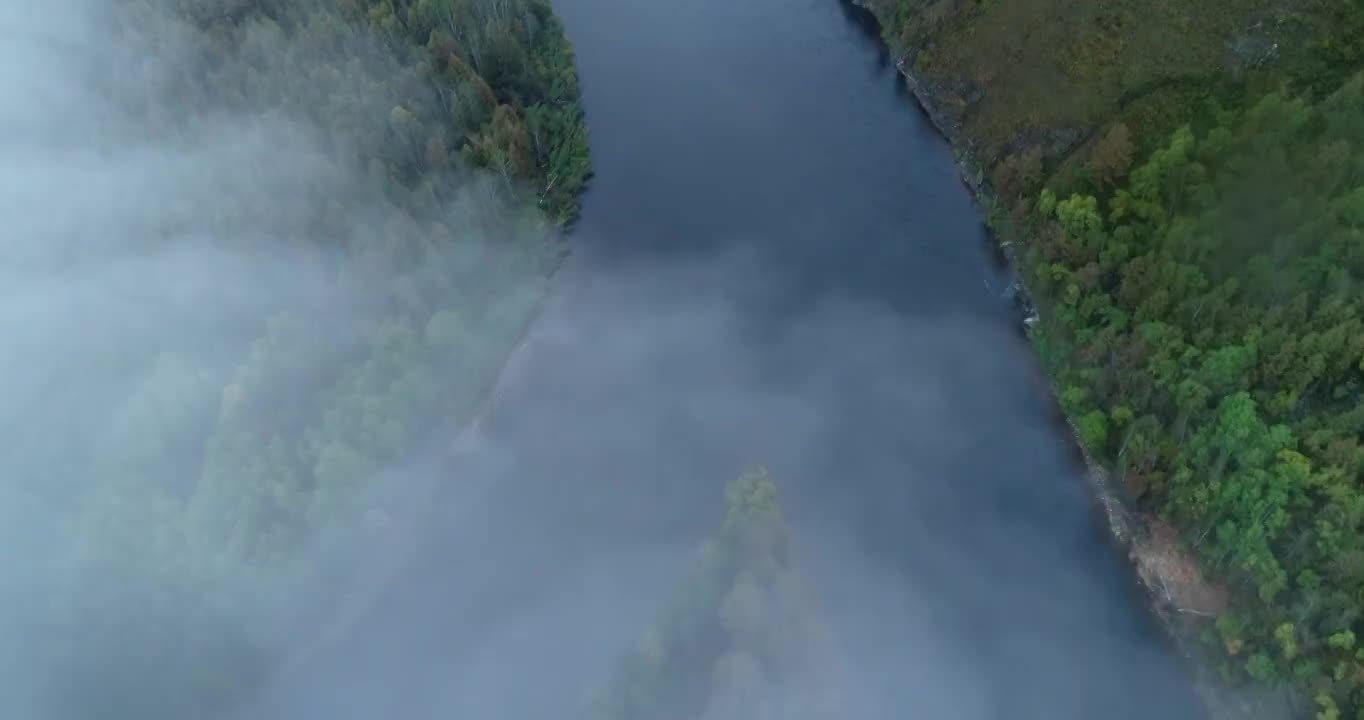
{"points": [[1174, 588]]}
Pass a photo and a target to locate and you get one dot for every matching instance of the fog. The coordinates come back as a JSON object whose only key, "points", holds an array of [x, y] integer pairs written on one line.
{"points": [[497, 568], [171, 249], [608, 453]]}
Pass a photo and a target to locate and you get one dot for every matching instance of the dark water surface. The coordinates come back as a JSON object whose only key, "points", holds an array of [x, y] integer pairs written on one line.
{"points": [[777, 264]]}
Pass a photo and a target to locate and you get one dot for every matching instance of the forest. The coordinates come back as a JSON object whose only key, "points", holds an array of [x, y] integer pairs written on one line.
{"points": [[1186, 207], [391, 269], [742, 637]]}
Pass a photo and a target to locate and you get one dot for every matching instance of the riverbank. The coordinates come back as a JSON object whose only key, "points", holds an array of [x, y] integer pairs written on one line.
{"points": [[335, 225], [861, 359], [552, 134], [1176, 590]]}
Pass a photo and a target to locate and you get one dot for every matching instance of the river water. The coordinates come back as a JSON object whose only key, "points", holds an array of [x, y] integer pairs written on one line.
{"points": [[776, 264]]}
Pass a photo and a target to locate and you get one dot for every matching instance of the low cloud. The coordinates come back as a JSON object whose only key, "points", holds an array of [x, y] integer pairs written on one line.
{"points": [[946, 529]]}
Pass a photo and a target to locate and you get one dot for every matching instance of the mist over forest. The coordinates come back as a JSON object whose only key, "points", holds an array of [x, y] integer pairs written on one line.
{"points": [[256, 255], [329, 392], [265, 262]]}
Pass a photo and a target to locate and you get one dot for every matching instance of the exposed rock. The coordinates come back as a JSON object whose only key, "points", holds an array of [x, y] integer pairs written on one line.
{"points": [[1173, 574]]}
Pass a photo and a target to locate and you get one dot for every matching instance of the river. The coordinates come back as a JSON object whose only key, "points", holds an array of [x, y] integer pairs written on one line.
{"points": [[778, 264]]}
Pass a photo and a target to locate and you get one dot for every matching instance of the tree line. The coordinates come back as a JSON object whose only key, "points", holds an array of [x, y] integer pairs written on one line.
{"points": [[383, 303], [1182, 184], [742, 636], [1203, 322]]}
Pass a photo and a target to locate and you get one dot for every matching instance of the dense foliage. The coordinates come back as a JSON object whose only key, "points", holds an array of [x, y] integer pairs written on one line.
{"points": [[743, 637], [1205, 328], [1052, 74], [439, 143], [1183, 183], [467, 82]]}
